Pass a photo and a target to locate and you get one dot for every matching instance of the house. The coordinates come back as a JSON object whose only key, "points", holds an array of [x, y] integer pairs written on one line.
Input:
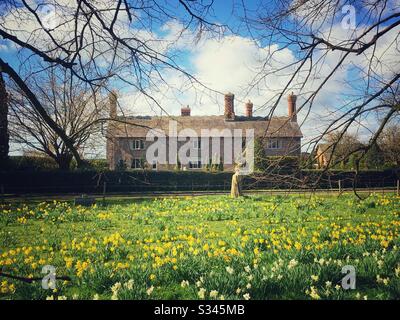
{"points": [[127, 142]]}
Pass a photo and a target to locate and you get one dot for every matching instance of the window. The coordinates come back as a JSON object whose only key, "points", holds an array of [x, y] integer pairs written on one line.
{"points": [[137, 144], [137, 163], [273, 144], [196, 143], [195, 164], [154, 165]]}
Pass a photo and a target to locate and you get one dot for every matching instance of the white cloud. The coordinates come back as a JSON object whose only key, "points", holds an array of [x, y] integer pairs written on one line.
{"points": [[225, 65]]}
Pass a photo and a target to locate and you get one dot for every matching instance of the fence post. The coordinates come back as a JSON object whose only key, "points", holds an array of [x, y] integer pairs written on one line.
{"points": [[398, 187], [340, 186]]}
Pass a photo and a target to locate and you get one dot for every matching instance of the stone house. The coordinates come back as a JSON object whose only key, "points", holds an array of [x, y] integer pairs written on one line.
{"points": [[126, 136]]}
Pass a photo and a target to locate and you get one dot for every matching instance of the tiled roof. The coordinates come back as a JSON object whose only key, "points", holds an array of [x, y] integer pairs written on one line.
{"points": [[139, 126]]}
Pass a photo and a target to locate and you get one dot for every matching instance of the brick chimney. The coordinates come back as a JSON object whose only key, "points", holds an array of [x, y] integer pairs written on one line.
{"points": [[292, 107], [229, 106], [112, 98], [249, 109], [185, 111]]}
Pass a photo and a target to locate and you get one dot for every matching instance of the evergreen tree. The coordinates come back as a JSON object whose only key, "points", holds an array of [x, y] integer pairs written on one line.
{"points": [[374, 158], [260, 157]]}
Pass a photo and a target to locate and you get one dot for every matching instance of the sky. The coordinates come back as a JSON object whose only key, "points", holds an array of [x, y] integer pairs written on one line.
{"points": [[231, 63]]}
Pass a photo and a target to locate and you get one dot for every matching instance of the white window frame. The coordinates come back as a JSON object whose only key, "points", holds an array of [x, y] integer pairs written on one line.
{"points": [[137, 144], [274, 143], [133, 164]]}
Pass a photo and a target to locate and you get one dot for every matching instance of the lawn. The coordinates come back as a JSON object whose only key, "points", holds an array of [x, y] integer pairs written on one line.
{"points": [[211, 247]]}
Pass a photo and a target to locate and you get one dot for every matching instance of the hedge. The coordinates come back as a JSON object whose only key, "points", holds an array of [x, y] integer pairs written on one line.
{"points": [[20, 182], [45, 163]]}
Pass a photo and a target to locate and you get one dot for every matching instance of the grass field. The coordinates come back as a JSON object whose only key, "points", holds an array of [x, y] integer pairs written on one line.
{"points": [[212, 247]]}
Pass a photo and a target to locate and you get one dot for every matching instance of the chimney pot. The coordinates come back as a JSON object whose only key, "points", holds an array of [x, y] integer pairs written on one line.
{"points": [[249, 109], [185, 111], [112, 98], [292, 112], [229, 106]]}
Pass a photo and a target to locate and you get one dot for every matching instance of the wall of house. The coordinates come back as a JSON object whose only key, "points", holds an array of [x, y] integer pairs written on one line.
{"points": [[288, 147], [120, 149]]}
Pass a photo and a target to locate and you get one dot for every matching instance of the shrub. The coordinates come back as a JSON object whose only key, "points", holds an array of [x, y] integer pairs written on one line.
{"points": [[26, 163]]}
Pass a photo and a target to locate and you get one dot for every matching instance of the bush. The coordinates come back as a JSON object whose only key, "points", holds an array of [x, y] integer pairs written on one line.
{"points": [[98, 164], [276, 164], [26, 163], [284, 163]]}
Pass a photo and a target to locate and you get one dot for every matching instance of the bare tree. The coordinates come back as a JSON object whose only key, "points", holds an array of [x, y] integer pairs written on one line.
{"points": [[75, 109], [389, 142], [345, 146], [327, 38], [112, 39], [310, 30]]}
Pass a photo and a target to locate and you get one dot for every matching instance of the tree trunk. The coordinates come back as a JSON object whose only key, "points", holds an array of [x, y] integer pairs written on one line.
{"points": [[64, 161], [4, 135]]}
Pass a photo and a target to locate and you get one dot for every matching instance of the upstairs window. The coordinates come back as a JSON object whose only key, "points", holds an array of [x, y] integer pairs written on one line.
{"points": [[274, 144], [137, 145], [196, 143]]}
